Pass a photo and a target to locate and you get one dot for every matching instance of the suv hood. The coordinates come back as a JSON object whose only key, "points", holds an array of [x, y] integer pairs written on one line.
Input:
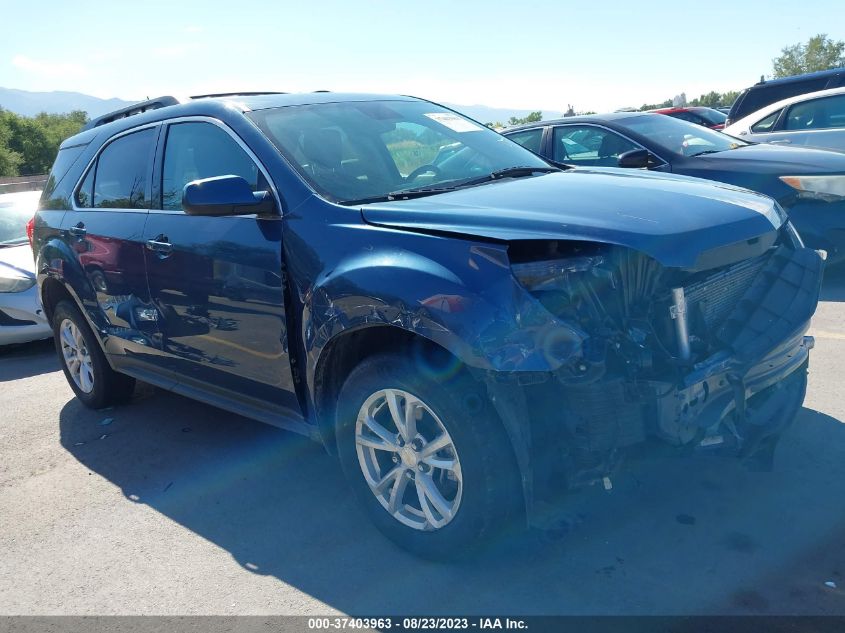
{"points": [[679, 221]]}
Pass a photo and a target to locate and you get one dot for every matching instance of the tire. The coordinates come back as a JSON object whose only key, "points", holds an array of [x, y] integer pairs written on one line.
{"points": [[475, 474], [85, 366]]}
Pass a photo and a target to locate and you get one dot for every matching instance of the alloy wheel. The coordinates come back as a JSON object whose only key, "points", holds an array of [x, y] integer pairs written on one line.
{"points": [[408, 459], [76, 356]]}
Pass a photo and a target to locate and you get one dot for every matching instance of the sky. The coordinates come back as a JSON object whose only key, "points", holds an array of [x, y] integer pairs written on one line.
{"points": [[543, 55]]}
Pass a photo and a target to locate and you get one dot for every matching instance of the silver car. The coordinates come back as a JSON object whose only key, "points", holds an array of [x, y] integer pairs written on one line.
{"points": [[21, 316], [816, 119]]}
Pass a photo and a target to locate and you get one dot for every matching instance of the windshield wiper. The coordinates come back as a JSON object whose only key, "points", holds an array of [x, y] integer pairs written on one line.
{"points": [[708, 151], [508, 172]]}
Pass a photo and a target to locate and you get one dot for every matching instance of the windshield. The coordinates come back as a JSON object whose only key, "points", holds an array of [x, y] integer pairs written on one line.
{"points": [[679, 136], [15, 211], [369, 150]]}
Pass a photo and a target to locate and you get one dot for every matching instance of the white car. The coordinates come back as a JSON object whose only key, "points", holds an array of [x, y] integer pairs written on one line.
{"points": [[21, 316], [815, 119]]}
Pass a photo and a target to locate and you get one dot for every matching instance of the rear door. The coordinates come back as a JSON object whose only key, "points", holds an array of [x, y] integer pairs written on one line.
{"points": [[216, 281], [104, 230]]}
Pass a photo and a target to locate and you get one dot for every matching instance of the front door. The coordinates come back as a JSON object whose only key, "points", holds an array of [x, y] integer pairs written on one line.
{"points": [[216, 281]]}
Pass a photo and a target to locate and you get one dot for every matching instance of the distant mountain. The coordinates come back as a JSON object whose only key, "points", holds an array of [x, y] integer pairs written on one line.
{"points": [[31, 103], [486, 114]]}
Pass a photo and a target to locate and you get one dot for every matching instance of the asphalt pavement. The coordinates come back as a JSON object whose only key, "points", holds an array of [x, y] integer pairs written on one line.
{"points": [[167, 506]]}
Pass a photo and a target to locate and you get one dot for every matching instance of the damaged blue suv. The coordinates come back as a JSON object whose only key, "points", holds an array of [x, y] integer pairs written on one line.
{"points": [[469, 328]]}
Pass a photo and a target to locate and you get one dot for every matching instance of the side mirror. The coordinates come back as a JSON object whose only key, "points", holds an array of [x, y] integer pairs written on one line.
{"points": [[637, 159], [226, 195]]}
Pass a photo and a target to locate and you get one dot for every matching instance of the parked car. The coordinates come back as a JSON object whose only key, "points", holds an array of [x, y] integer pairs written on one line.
{"points": [[21, 317], [816, 119], [707, 117], [808, 183], [471, 338], [765, 92], [724, 109]]}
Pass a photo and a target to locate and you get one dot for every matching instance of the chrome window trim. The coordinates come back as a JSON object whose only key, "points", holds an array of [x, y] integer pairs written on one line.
{"points": [[165, 122]]}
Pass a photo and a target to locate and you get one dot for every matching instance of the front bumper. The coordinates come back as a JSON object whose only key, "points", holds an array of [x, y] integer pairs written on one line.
{"points": [[22, 318]]}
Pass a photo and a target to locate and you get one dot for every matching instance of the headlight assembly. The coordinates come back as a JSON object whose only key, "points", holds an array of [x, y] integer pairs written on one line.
{"points": [[13, 281], [828, 188]]}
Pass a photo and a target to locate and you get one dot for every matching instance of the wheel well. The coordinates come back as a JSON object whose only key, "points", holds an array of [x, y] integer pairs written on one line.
{"points": [[52, 292], [346, 351]]}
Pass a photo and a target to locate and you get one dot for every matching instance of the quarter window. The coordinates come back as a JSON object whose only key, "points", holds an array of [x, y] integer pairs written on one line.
{"points": [[197, 150], [766, 124], [122, 173]]}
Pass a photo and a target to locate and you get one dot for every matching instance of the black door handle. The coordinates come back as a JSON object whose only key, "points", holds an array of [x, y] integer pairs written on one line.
{"points": [[161, 245], [78, 230]]}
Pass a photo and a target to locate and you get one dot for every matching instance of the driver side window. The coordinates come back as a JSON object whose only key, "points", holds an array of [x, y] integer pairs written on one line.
{"points": [[196, 150], [589, 145]]}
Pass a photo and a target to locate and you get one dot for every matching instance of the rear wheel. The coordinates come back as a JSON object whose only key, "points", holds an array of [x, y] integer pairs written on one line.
{"points": [[427, 457], [85, 366]]}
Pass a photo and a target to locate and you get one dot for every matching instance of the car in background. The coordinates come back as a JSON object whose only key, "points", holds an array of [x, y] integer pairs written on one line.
{"points": [[816, 119], [765, 92], [707, 117], [21, 317], [723, 109], [808, 183]]}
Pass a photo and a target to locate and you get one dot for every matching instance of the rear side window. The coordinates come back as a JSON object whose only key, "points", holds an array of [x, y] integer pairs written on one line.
{"points": [[121, 174], [198, 150], [817, 114]]}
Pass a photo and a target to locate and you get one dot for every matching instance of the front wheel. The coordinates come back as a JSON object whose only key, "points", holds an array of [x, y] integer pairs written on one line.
{"points": [[426, 456]]}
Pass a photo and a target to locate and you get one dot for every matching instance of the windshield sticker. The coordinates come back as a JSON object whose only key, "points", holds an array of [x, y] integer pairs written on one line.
{"points": [[454, 122]]}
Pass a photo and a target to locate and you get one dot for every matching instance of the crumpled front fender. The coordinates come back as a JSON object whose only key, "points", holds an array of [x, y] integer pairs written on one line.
{"points": [[468, 302]]}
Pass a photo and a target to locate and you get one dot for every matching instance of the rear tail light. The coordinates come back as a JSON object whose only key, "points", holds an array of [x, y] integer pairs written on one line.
{"points": [[30, 228]]}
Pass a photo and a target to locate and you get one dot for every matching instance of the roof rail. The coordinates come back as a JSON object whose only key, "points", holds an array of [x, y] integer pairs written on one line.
{"points": [[237, 94], [135, 108]]}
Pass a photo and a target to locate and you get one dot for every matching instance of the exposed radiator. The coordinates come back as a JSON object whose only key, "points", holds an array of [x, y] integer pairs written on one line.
{"points": [[715, 296]]}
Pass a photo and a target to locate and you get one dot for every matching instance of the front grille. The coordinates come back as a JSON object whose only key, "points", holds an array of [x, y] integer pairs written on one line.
{"points": [[5, 319], [716, 295]]}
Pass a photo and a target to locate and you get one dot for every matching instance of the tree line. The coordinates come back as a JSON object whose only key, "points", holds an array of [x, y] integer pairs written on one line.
{"points": [[28, 145]]}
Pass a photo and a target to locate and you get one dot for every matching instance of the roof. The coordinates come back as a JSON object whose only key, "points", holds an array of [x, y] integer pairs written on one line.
{"points": [[792, 78], [583, 118], [680, 109]]}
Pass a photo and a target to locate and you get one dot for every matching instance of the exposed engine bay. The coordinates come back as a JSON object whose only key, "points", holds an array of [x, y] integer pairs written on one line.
{"points": [[706, 358]]}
